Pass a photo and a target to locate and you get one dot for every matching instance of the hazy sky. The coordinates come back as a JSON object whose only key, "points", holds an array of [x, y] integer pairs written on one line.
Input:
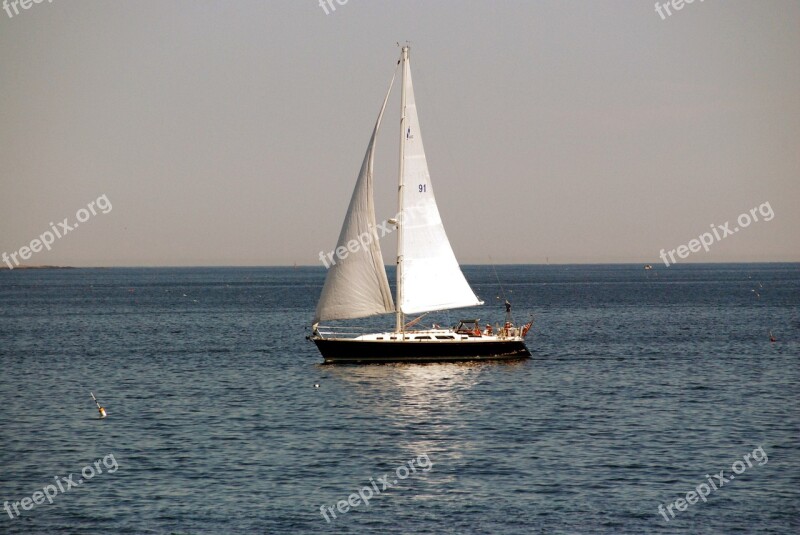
{"points": [[231, 133]]}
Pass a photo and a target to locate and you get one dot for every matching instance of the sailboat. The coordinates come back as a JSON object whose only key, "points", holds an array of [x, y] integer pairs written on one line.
{"points": [[428, 275]]}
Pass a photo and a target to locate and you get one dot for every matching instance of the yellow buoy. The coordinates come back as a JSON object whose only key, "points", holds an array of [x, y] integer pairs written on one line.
{"points": [[100, 409]]}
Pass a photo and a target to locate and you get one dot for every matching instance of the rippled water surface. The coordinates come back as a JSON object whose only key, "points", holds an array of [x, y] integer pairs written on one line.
{"points": [[642, 382]]}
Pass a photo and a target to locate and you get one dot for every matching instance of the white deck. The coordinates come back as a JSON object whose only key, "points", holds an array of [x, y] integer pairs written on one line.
{"points": [[431, 335]]}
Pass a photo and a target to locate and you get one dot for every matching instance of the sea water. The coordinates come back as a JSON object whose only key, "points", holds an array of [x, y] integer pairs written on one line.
{"points": [[643, 385]]}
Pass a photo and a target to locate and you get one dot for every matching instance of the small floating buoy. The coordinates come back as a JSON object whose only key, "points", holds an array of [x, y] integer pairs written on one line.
{"points": [[100, 409], [316, 385]]}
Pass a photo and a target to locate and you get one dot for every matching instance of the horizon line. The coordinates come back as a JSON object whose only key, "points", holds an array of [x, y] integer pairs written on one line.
{"points": [[229, 266]]}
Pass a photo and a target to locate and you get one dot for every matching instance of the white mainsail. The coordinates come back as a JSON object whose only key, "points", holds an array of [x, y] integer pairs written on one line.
{"points": [[356, 285], [430, 276]]}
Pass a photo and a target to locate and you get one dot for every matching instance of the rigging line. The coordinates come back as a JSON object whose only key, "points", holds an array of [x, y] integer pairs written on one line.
{"points": [[502, 291], [412, 322], [506, 302]]}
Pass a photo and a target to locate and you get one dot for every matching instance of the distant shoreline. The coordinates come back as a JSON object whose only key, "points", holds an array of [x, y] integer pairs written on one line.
{"points": [[2, 267]]}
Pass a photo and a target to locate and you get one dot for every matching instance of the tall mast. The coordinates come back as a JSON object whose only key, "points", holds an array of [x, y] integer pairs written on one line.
{"points": [[400, 221]]}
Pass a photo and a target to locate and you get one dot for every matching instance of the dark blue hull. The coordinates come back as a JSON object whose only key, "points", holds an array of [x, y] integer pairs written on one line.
{"points": [[370, 351]]}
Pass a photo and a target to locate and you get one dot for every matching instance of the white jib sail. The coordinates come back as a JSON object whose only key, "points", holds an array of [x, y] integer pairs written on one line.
{"points": [[431, 277], [356, 285]]}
